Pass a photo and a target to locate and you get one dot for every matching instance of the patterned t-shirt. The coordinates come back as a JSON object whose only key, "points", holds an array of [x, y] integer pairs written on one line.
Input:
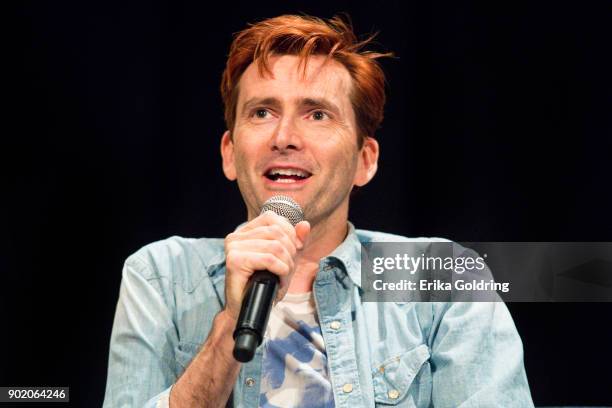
{"points": [[294, 370]]}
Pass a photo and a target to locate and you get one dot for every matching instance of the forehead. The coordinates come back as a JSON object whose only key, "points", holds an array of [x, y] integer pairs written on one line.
{"points": [[323, 79]]}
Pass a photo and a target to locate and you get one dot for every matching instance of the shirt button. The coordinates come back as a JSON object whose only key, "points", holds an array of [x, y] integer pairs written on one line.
{"points": [[335, 325], [249, 382], [348, 387], [393, 394]]}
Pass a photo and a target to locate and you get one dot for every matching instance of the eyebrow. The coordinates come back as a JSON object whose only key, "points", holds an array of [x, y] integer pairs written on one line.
{"points": [[256, 101], [312, 103], [320, 103]]}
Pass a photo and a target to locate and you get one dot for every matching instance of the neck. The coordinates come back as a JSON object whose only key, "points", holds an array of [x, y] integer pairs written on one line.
{"points": [[324, 238]]}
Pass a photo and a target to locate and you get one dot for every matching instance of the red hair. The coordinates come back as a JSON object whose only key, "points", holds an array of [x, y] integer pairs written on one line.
{"points": [[305, 36]]}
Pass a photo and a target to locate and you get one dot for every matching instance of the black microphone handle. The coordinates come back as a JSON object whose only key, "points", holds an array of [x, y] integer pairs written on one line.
{"points": [[254, 313]]}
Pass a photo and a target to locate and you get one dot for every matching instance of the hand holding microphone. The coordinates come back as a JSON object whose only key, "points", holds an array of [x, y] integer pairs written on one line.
{"points": [[260, 261]]}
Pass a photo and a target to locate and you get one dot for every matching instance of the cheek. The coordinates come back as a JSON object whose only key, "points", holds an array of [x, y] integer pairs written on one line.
{"points": [[242, 167], [244, 154], [342, 164]]}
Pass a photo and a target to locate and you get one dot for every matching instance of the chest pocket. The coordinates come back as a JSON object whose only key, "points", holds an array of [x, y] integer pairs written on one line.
{"points": [[403, 380]]}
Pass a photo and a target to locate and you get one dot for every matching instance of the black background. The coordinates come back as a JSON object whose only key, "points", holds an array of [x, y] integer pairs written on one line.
{"points": [[497, 129]]}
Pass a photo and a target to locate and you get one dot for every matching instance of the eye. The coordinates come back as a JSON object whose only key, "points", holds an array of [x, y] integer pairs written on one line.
{"points": [[319, 115], [261, 113]]}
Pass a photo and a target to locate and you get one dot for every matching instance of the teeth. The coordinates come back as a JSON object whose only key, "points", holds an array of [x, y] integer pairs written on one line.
{"points": [[288, 172]]}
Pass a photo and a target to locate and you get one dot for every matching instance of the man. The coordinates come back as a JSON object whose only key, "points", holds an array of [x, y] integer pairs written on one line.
{"points": [[302, 103]]}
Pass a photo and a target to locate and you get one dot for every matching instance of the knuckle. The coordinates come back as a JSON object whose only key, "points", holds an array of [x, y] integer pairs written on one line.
{"points": [[232, 256], [279, 267], [269, 259], [275, 230], [229, 247], [229, 260], [231, 237], [292, 249], [276, 248], [287, 268], [269, 216]]}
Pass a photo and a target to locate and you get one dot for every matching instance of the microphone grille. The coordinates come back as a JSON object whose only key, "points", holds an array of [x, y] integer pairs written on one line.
{"points": [[285, 207]]}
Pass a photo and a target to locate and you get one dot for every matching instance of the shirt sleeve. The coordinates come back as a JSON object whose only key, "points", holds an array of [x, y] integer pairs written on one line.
{"points": [[141, 367], [477, 357]]}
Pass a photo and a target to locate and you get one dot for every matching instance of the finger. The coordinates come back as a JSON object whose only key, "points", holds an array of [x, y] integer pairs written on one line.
{"points": [[266, 232], [249, 262], [283, 270], [302, 231], [270, 218], [284, 251], [258, 221], [282, 222]]}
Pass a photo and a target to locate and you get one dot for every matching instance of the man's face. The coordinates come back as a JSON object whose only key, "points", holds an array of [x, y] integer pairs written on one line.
{"points": [[296, 135]]}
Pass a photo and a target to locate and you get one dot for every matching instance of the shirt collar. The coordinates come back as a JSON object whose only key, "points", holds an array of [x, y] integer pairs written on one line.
{"points": [[348, 253]]}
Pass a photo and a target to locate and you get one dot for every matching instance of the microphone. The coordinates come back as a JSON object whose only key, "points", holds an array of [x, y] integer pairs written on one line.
{"points": [[261, 290]]}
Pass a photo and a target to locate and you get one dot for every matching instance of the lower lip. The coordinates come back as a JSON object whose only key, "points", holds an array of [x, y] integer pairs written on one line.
{"points": [[286, 184]]}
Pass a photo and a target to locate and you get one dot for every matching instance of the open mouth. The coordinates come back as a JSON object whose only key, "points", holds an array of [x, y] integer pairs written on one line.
{"points": [[287, 175]]}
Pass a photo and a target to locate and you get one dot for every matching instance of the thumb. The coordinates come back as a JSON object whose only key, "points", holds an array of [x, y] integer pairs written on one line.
{"points": [[302, 230]]}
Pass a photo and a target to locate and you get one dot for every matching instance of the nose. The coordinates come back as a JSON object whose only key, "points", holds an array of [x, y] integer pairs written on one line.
{"points": [[286, 136]]}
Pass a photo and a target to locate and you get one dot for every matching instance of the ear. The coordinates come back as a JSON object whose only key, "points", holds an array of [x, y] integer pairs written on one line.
{"points": [[367, 162], [227, 154]]}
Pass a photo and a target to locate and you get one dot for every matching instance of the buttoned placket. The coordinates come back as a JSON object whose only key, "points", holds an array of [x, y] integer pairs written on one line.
{"points": [[331, 300], [247, 387], [249, 379]]}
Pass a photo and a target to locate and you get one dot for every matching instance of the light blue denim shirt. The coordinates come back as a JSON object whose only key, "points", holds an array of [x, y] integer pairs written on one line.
{"points": [[379, 354]]}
